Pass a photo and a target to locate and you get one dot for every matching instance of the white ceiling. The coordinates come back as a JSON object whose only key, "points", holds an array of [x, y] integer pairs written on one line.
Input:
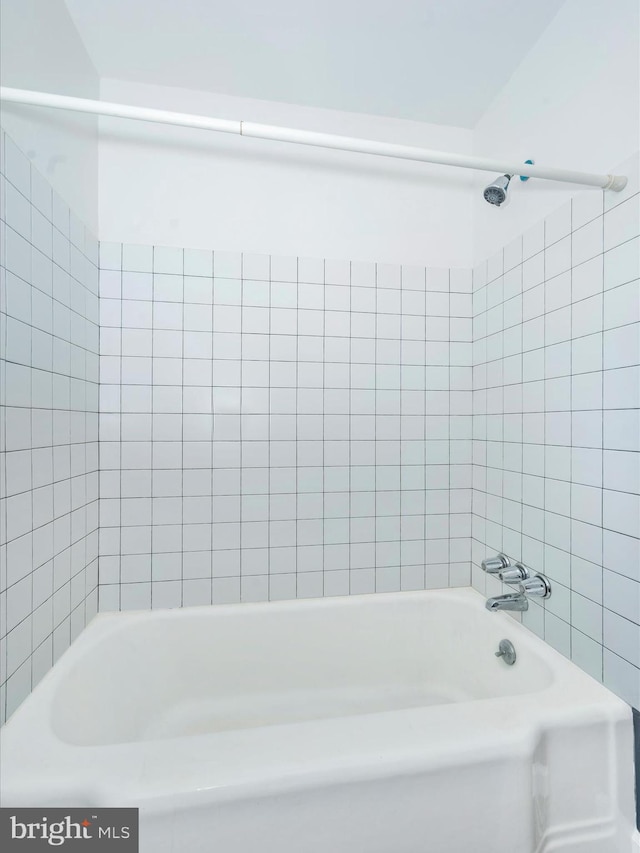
{"points": [[440, 61]]}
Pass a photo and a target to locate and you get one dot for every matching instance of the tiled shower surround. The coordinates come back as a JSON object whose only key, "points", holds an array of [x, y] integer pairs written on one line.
{"points": [[557, 426], [317, 443], [338, 458], [286, 427], [48, 427]]}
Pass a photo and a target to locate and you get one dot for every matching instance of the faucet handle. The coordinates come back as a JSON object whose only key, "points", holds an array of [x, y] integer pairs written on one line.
{"points": [[495, 565], [515, 574], [537, 586]]}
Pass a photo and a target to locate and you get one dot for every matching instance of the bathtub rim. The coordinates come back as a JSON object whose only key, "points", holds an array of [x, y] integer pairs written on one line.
{"points": [[159, 771]]}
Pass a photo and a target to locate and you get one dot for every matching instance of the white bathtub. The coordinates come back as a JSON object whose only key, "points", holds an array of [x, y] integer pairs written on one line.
{"points": [[370, 724]]}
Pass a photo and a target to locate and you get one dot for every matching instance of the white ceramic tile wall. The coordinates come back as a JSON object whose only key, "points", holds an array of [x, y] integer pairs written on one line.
{"points": [[557, 425], [278, 427], [48, 426]]}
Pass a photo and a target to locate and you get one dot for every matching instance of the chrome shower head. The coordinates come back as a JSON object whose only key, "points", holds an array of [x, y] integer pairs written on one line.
{"points": [[496, 192]]}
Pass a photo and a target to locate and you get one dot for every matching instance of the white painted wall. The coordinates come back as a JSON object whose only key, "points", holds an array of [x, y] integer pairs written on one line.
{"points": [[179, 187], [328, 55], [574, 101], [40, 49]]}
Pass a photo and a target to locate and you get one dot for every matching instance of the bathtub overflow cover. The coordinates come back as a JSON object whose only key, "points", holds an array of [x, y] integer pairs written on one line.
{"points": [[506, 652]]}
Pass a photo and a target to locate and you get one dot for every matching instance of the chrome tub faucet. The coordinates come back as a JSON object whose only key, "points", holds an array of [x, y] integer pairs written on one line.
{"points": [[529, 585], [510, 601]]}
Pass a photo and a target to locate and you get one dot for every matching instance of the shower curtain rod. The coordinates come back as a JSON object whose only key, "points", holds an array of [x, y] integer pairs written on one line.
{"points": [[306, 137]]}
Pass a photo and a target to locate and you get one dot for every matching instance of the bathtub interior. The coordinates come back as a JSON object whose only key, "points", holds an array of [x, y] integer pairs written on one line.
{"points": [[151, 676]]}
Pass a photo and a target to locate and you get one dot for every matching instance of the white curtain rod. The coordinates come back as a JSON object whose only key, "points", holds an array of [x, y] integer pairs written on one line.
{"points": [[306, 137]]}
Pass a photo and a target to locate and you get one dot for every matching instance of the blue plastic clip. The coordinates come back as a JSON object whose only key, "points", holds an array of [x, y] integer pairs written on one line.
{"points": [[524, 177]]}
